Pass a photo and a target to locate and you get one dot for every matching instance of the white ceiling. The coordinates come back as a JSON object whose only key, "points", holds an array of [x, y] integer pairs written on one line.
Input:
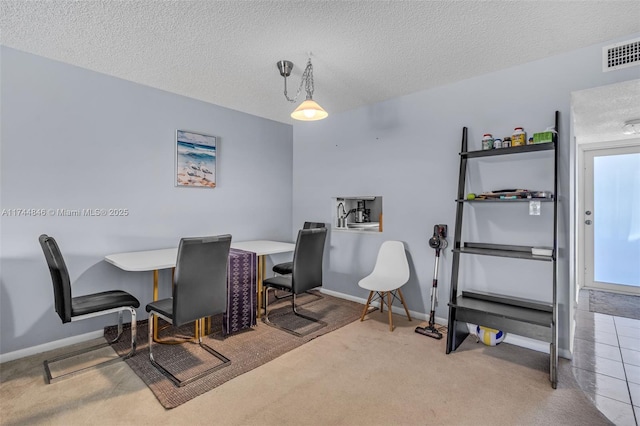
{"points": [[599, 113], [224, 52]]}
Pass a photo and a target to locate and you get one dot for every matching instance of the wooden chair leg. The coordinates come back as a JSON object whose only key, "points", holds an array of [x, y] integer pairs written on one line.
{"points": [[389, 306], [404, 304], [366, 307]]}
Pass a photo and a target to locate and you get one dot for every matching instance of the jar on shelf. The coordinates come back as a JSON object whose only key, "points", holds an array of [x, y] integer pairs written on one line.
{"points": [[497, 143], [506, 142], [487, 141], [519, 137]]}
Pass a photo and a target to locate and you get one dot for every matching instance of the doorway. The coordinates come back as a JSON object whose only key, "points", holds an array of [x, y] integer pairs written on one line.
{"points": [[610, 225]]}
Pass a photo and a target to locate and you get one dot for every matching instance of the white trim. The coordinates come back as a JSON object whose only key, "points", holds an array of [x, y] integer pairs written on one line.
{"points": [[33, 350], [577, 151], [396, 309], [584, 235], [512, 339], [536, 345], [619, 143], [524, 342]]}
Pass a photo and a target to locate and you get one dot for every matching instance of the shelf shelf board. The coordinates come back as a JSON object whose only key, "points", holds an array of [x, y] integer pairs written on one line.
{"points": [[498, 250], [508, 151], [504, 200], [537, 317], [508, 300]]}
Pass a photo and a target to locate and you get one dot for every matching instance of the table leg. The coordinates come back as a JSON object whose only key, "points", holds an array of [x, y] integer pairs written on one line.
{"points": [[260, 277], [207, 326], [155, 297]]}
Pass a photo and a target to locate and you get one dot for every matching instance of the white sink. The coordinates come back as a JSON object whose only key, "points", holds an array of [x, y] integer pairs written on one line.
{"points": [[364, 225]]}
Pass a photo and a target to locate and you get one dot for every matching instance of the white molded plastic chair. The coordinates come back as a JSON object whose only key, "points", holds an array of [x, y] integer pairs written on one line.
{"points": [[389, 274]]}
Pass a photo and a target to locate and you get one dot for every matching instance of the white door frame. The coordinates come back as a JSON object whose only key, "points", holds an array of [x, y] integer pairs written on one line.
{"points": [[582, 150]]}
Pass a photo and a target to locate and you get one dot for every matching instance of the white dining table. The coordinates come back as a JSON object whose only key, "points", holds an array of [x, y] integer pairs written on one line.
{"points": [[155, 260]]}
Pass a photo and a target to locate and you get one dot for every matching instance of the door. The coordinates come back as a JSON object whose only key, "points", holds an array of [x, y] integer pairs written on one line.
{"points": [[611, 219]]}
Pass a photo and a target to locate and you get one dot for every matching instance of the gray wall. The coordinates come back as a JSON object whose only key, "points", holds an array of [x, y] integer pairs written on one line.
{"points": [[406, 150], [73, 139]]}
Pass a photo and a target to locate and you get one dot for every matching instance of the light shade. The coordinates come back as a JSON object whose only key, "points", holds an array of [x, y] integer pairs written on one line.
{"points": [[309, 110], [631, 127]]}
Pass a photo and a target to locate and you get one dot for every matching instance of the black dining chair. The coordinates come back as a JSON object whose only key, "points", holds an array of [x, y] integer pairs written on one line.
{"points": [[199, 291], [306, 272], [286, 268], [71, 309]]}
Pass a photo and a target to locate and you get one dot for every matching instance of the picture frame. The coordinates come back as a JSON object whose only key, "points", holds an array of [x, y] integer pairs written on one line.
{"points": [[196, 159]]}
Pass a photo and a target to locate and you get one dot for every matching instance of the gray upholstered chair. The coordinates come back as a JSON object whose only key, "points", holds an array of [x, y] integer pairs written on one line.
{"points": [[286, 268], [306, 271], [199, 291], [78, 308]]}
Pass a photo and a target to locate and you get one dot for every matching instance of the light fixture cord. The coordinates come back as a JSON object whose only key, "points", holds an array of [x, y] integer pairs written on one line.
{"points": [[307, 80]]}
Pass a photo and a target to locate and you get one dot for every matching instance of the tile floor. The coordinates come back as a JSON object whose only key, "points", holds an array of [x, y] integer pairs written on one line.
{"points": [[606, 362]]}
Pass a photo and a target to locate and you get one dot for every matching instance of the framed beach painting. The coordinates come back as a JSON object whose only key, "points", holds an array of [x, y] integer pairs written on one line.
{"points": [[195, 159]]}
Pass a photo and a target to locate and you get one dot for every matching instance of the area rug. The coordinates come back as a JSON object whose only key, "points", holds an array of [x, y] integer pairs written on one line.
{"points": [[616, 304], [247, 349]]}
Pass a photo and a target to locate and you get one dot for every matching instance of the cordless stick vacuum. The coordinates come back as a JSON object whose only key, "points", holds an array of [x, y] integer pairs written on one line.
{"points": [[437, 241]]}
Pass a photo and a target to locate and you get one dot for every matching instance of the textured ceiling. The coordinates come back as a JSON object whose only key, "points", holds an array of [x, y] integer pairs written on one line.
{"points": [[224, 52], [599, 113]]}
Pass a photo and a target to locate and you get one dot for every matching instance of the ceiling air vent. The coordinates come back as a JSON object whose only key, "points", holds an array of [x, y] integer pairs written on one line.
{"points": [[621, 55]]}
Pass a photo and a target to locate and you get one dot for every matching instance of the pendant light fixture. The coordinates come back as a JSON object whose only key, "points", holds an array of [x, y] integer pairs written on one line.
{"points": [[631, 127], [309, 110]]}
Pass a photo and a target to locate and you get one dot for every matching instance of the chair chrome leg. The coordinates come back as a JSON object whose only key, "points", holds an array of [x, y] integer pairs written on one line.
{"points": [[134, 333], [275, 294], [266, 303], [46, 363], [150, 336], [119, 328], [134, 342], [295, 311], [176, 381]]}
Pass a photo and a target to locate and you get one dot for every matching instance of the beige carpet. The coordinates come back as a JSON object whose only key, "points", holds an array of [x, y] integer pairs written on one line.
{"points": [[360, 374], [247, 349]]}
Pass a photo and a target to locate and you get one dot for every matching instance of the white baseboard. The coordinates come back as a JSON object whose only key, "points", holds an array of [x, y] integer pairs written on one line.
{"points": [[512, 339], [396, 309], [33, 350], [525, 342]]}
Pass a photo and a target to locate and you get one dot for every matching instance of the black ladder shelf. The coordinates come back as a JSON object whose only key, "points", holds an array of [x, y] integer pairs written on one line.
{"points": [[528, 318]]}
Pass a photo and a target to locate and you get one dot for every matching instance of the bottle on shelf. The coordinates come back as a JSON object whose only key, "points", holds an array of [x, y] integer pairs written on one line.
{"points": [[487, 141], [519, 137]]}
